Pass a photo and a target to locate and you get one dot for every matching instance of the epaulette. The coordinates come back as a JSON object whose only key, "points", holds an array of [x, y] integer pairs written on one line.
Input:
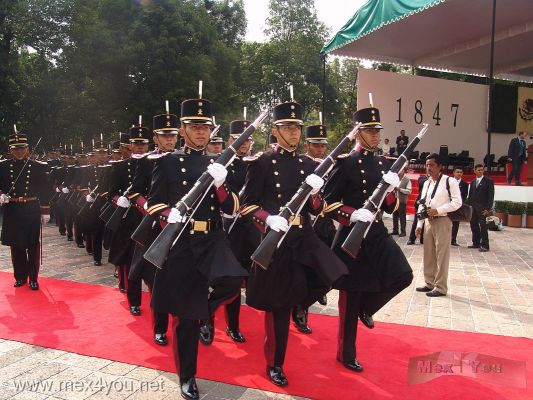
{"points": [[138, 156], [40, 162], [344, 155], [155, 156], [252, 158]]}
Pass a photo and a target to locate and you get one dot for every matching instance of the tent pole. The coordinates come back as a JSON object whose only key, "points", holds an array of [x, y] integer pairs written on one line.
{"points": [[324, 89], [491, 86]]}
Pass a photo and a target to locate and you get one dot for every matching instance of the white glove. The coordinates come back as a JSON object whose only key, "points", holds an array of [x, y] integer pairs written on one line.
{"points": [[89, 198], [65, 190], [4, 199], [362, 215], [315, 182], [123, 202], [392, 179], [277, 223], [218, 172], [175, 216], [58, 190]]}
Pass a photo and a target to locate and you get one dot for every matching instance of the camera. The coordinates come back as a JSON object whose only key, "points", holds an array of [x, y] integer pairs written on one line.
{"points": [[424, 213]]}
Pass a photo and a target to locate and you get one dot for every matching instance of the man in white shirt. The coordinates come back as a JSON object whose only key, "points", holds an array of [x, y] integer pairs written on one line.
{"points": [[436, 202]]}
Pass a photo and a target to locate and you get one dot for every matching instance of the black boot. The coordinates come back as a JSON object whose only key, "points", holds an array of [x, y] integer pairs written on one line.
{"points": [[276, 376], [299, 316], [207, 332], [188, 388]]}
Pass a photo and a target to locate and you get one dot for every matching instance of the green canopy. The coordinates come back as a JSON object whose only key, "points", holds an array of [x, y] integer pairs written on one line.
{"points": [[374, 15]]}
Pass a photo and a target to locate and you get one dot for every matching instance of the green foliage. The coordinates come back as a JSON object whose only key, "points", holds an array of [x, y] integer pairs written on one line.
{"points": [[516, 208], [529, 209], [500, 206]]}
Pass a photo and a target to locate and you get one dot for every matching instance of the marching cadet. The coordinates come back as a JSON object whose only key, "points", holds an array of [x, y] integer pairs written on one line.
{"points": [[53, 160], [243, 237], [24, 194], [200, 272], [99, 175], [216, 144], [380, 270], [165, 128], [121, 248], [66, 220], [303, 268], [56, 177]]}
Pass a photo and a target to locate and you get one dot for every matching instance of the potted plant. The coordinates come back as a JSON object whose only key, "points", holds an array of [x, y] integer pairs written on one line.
{"points": [[529, 212], [515, 211], [500, 210]]}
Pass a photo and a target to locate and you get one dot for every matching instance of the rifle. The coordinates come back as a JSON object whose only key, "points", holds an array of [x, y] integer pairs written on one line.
{"points": [[353, 241], [113, 222], [159, 249], [87, 205], [106, 212], [265, 251]]}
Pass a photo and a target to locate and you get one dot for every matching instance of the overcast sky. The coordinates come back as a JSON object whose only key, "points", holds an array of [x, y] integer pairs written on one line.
{"points": [[334, 13]]}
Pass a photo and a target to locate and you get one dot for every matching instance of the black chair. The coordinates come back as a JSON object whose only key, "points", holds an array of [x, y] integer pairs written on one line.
{"points": [[501, 163], [489, 162], [414, 158]]}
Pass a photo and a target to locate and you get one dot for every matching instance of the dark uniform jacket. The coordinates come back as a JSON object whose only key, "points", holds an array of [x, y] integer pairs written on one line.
{"points": [[200, 258], [303, 266], [21, 225], [481, 197], [120, 181], [380, 262]]}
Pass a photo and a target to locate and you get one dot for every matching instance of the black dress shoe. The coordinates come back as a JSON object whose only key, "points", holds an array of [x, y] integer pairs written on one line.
{"points": [[435, 293], [235, 335], [188, 388], [63, 233], [483, 249], [352, 365], [323, 300], [34, 285], [207, 332], [473, 246], [402, 234], [394, 233], [367, 320], [410, 242], [98, 263], [423, 289], [161, 339], [276, 376], [455, 244], [19, 283], [80, 245], [135, 310], [70, 238], [115, 274], [299, 317]]}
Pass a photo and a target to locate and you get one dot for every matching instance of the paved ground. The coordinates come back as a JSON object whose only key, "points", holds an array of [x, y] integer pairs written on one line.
{"points": [[489, 292]]}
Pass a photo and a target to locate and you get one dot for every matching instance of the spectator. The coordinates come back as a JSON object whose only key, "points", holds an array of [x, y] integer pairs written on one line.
{"points": [[517, 155], [412, 236], [402, 192], [480, 197], [401, 142], [463, 187], [435, 203], [385, 148]]}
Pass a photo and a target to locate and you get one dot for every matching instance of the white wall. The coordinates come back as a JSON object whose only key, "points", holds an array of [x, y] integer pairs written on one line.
{"points": [[469, 132]]}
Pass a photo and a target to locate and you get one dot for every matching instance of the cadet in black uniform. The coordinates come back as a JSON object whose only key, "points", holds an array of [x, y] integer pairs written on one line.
{"points": [[200, 272], [215, 145], [122, 173], [165, 130], [380, 270], [66, 221], [25, 195], [243, 237], [303, 267]]}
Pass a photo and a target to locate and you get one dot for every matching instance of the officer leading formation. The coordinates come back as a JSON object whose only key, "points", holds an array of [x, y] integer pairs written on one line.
{"points": [[123, 203]]}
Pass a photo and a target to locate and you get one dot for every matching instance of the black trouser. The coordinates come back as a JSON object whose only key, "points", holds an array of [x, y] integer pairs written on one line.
{"points": [[97, 237], [134, 293], [232, 311], [123, 271], [69, 224], [412, 235], [26, 262], [78, 233], [186, 331], [480, 231], [351, 304], [515, 171], [455, 229], [399, 214]]}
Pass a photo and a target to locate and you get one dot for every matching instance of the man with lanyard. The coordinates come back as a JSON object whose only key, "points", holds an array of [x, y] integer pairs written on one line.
{"points": [[303, 268], [165, 138], [121, 249], [200, 272], [24, 194], [380, 271], [436, 202]]}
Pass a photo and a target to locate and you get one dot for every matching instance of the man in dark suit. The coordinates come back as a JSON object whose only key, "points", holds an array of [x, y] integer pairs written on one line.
{"points": [[463, 187], [481, 198], [517, 155], [401, 142]]}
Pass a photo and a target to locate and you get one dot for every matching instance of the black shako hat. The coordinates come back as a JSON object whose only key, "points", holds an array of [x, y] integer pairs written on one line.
{"points": [[288, 114], [196, 111], [316, 134], [17, 139], [237, 127], [140, 134], [167, 124], [368, 117]]}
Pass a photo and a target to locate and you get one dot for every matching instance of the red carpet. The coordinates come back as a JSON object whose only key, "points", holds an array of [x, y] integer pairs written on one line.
{"points": [[93, 320]]}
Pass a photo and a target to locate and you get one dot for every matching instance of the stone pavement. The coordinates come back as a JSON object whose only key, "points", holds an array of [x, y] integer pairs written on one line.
{"points": [[488, 292]]}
